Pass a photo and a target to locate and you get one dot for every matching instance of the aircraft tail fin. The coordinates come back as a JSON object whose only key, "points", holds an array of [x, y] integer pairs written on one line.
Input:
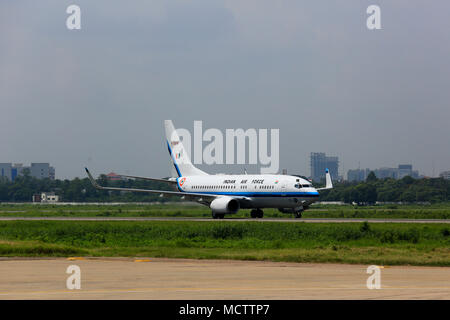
{"points": [[179, 157]]}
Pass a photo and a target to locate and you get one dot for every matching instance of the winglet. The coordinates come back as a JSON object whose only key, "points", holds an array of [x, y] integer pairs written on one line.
{"points": [[328, 182], [94, 183]]}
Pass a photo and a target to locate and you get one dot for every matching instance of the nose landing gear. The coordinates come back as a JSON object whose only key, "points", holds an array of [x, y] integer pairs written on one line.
{"points": [[217, 215], [299, 213]]}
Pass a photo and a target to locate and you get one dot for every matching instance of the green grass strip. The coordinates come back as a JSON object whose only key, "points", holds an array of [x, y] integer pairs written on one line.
{"points": [[393, 244]]}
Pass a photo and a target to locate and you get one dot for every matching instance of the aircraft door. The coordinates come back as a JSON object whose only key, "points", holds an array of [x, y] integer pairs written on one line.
{"points": [[283, 186]]}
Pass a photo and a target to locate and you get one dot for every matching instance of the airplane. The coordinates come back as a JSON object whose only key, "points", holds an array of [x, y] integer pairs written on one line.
{"points": [[227, 194]]}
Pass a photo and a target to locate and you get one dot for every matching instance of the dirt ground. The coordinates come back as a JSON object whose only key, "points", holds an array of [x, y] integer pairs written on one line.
{"points": [[150, 278]]}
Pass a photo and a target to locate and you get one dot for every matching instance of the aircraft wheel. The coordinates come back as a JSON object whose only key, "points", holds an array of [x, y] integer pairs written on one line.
{"points": [[298, 215], [254, 213], [259, 213]]}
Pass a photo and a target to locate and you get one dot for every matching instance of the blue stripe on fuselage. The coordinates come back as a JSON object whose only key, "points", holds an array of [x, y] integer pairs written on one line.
{"points": [[258, 194]]}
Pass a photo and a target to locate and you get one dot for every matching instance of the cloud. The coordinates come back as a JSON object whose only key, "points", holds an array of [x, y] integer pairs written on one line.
{"points": [[313, 70]]}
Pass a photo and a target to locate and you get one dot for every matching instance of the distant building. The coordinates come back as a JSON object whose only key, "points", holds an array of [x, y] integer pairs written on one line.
{"points": [[400, 172], [18, 170], [445, 175], [114, 177], [405, 170], [51, 173], [36, 170], [358, 175], [383, 173], [46, 197], [5, 171], [40, 170], [319, 162]]}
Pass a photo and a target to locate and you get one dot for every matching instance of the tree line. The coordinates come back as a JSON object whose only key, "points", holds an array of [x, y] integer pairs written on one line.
{"points": [[367, 192], [79, 190], [406, 189]]}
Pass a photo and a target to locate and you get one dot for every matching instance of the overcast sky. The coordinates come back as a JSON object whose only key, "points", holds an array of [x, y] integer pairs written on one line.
{"points": [[98, 96]]}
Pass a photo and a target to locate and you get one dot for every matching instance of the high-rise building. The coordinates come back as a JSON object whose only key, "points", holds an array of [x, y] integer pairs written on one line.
{"points": [[400, 172], [40, 170], [319, 162], [18, 170], [36, 170], [445, 175], [385, 172], [5, 170], [51, 173], [358, 174], [405, 170]]}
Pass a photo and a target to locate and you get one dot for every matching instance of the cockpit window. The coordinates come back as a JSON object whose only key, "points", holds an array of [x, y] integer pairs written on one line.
{"points": [[306, 186]]}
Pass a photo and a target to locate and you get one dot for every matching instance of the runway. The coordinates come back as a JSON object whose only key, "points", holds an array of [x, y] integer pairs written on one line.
{"points": [[152, 278], [287, 220]]}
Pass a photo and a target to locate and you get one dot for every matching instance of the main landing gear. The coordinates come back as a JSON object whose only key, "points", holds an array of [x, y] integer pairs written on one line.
{"points": [[256, 213], [298, 214]]}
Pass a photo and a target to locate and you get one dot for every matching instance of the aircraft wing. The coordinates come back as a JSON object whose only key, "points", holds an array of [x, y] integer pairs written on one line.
{"points": [[198, 196], [150, 179]]}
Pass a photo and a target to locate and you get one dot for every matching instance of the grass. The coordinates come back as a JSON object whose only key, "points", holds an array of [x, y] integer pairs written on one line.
{"points": [[365, 243], [435, 211]]}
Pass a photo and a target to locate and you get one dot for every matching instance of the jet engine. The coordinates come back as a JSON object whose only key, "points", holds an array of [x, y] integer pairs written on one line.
{"points": [[224, 205]]}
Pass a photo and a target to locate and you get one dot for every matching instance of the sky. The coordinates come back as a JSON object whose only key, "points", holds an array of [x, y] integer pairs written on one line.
{"points": [[98, 96]]}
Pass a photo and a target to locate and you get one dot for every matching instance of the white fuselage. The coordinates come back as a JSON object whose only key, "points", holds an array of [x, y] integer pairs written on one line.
{"points": [[254, 191]]}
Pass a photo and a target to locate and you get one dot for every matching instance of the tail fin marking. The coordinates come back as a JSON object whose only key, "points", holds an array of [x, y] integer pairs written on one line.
{"points": [[178, 154]]}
